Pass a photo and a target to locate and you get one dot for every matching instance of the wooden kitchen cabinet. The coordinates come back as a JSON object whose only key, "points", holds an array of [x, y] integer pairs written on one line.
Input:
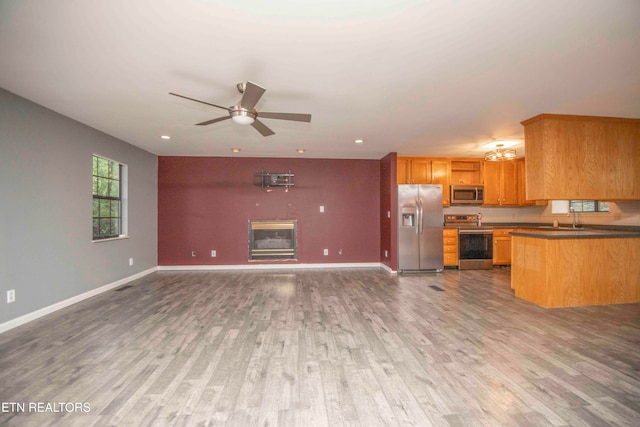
{"points": [[502, 246], [466, 171], [500, 183], [423, 170], [450, 246], [522, 185], [582, 157], [413, 170], [441, 174]]}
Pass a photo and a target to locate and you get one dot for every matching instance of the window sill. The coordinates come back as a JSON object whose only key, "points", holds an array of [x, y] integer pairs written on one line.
{"points": [[111, 239]]}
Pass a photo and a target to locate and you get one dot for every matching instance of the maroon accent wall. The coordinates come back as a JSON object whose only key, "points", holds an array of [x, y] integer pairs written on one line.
{"points": [[388, 205], [204, 204]]}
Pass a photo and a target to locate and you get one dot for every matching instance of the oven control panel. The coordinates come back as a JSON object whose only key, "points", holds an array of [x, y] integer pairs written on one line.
{"points": [[461, 219]]}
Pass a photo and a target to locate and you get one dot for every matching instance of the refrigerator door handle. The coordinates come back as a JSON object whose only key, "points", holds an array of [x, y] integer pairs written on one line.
{"points": [[420, 215]]}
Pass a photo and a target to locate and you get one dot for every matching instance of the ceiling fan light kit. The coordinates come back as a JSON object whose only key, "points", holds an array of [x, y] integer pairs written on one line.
{"points": [[243, 117], [244, 112]]}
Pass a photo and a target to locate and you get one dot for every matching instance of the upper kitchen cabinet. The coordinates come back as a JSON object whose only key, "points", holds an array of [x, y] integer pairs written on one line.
{"points": [[500, 183], [441, 174], [466, 172], [582, 157], [522, 186], [413, 170], [423, 170]]}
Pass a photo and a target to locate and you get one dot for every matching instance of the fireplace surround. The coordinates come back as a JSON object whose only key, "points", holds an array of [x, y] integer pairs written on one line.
{"points": [[273, 240]]}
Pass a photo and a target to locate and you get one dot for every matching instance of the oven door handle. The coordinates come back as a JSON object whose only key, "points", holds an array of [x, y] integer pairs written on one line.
{"points": [[476, 231]]}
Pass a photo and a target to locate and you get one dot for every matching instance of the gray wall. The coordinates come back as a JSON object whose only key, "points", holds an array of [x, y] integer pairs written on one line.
{"points": [[46, 253]]}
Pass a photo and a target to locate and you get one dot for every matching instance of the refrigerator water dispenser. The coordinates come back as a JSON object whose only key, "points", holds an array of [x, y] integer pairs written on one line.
{"points": [[408, 217]]}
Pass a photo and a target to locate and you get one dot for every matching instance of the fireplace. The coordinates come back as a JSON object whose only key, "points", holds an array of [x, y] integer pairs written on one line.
{"points": [[272, 240]]}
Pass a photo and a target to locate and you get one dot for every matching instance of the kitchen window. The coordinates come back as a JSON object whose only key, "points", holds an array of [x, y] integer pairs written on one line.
{"points": [[589, 206], [578, 206], [109, 201]]}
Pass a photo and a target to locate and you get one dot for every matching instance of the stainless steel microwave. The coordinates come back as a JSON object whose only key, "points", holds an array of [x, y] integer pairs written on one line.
{"points": [[467, 194]]}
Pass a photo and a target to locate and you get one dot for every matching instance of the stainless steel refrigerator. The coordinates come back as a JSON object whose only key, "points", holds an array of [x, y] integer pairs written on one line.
{"points": [[420, 222]]}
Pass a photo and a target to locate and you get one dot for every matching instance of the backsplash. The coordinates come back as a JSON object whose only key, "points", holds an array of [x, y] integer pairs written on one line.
{"points": [[620, 213]]}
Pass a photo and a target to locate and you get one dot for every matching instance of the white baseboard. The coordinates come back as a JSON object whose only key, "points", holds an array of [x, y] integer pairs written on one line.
{"points": [[387, 269], [62, 304], [271, 266]]}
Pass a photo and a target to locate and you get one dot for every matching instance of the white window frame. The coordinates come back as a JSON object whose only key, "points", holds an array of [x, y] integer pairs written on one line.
{"points": [[124, 200]]}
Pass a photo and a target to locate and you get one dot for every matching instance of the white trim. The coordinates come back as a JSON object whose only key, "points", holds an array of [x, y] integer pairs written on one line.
{"points": [[270, 266], [111, 239], [388, 269], [62, 304]]}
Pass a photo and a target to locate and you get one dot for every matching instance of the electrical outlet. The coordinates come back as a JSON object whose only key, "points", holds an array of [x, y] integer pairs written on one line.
{"points": [[388, 214], [322, 210], [213, 254], [339, 251], [11, 296], [193, 253], [130, 261], [386, 253], [326, 251]]}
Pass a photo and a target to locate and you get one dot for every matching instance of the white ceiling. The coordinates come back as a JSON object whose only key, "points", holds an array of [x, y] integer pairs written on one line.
{"points": [[430, 77]]}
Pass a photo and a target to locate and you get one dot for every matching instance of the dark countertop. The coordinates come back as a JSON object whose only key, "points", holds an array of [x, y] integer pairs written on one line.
{"points": [[580, 233]]}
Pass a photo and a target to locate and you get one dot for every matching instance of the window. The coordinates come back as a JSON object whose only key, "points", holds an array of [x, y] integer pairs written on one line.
{"points": [[108, 198], [589, 206]]}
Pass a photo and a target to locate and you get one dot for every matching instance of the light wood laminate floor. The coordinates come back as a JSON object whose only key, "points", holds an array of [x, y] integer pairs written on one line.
{"points": [[324, 348]]}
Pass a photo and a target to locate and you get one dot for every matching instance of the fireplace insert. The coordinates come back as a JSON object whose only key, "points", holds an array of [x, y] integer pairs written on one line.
{"points": [[273, 240]]}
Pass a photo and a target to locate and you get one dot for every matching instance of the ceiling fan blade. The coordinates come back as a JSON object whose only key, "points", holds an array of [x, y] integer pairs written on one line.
{"points": [[251, 96], [209, 122], [287, 116], [262, 128], [197, 100]]}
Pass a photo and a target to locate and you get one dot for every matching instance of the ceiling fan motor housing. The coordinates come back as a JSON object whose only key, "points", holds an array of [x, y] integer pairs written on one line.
{"points": [[242, 115]]}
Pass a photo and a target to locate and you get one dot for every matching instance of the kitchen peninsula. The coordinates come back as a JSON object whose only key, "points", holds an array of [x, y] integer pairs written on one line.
{"points": [[564, 268]]}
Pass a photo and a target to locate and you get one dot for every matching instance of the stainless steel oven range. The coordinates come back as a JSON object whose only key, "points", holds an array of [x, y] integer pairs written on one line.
{"points": [[475, 242]]}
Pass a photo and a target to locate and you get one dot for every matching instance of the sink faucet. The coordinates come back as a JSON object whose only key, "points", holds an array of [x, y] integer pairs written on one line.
{"points": [[573, 211]]}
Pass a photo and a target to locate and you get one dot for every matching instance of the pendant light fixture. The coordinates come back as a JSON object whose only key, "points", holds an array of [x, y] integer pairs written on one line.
{"points": [[500, 154]]}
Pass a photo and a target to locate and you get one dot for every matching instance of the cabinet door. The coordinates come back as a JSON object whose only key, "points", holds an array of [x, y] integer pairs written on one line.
{"points": [[440, 174], [420, 171], [522, 185], [509, 183], [492, 193], [502, 247], [402, 171]]}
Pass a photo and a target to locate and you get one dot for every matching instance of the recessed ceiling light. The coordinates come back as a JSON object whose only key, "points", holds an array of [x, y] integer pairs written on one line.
{"points": [[359, 141], [236, 150], [165, 137], [301, 150]]}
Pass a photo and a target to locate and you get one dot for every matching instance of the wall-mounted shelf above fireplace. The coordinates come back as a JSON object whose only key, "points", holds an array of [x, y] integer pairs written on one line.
{"points": [[267, 179]]}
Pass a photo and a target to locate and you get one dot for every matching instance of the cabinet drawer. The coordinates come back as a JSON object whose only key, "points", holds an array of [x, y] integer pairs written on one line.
{"points": [[450, 232], [502, 232], [450, 241], [451, 260], [450, 249]]}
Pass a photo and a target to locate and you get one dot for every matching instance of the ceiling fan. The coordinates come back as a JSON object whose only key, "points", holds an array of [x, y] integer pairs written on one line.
{"points": [[244, 112]]}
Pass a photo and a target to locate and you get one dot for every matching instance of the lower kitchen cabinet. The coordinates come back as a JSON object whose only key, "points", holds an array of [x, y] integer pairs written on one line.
{"points": [[502, 246], [450, 247]]}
